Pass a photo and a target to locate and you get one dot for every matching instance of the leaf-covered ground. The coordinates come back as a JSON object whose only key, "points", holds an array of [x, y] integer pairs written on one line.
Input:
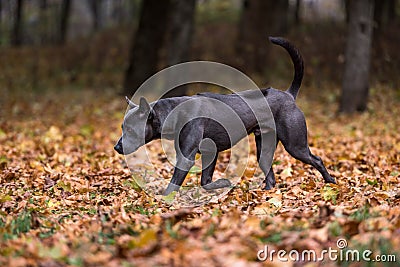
{"points": [[67, 199]]}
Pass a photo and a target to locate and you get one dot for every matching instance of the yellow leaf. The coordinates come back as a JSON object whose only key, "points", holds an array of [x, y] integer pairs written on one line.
{"points": [[147, 237], [275, 202], [195, 170], [170, 197], [3, 135], [53, 203], [53, 134], [286, 173], [329, 192]]}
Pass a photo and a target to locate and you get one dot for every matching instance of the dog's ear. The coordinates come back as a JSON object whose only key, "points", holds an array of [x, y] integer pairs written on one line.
{"points": [[144, 106], [130, 103]]}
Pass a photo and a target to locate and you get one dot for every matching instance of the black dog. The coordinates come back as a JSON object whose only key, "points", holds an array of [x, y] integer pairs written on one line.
{"points": [[147, 122]]}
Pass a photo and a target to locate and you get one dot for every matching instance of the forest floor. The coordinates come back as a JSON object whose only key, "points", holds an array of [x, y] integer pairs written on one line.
{"points": [[68, 199]]}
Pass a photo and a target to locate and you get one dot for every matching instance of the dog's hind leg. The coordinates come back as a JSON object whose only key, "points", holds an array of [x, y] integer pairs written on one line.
{"points": [[307, 157], [268, 171], [317, 163], [294, 139]]}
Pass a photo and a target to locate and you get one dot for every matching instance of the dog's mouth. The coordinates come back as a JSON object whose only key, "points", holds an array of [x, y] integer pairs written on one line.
{"points": [[124, 150]]}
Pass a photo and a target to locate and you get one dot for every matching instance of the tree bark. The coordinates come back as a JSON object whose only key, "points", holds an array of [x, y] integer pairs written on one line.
{"points": [[392, 10], [378, 13], [64, 19], [181, 30], [1, 8], [43, 21], [346, 10], [358, 52], [260, 19], [1, 22], [16, 35], [117, 11], [95, 9], [297, 12], [148, 40], [181, 25]]}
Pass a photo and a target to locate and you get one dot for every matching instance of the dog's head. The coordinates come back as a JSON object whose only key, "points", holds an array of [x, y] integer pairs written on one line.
{"points": [[137, 128]]}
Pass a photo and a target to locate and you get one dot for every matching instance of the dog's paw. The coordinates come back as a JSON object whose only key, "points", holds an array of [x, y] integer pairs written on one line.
{"points": [[268, 186], [330, 180], [171, 188], [269, 181], [220, 183]]}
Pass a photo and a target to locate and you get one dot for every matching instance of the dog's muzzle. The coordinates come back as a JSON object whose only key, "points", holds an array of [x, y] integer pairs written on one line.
{"points": [[118, 147]]}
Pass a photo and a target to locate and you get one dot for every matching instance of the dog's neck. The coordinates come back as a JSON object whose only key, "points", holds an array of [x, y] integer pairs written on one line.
{"points": [[162, 108]]}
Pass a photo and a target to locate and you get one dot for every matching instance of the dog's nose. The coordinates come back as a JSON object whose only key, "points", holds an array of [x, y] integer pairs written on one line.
{"points": [[118, 148]]}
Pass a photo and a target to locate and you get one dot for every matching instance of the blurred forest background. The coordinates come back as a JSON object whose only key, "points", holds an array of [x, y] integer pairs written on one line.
{"points": [[117, 44], [68, 199]]}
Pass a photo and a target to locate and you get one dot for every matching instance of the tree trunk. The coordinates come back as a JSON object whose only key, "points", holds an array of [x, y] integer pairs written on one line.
{"points": [[1, 9], [147, 42], [346, 10], [43, 21], [297, 12], [95, 9], [259, 19], [392, 11], [16, 35], [117, 12], [378, 13], [180, 37], [384, 14], [1, 22], [64, 19], [358, 50]]}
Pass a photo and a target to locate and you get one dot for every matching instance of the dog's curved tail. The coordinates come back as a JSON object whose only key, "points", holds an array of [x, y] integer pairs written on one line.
{"points": [[297, 62]]}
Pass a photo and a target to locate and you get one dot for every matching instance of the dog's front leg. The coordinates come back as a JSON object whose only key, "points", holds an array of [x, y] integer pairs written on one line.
{"points": [[181, 170], [186, 148], [208, 162], [176, 181]]}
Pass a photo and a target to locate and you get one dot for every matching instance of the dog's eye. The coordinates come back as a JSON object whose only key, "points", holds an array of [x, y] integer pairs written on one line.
{"points": [[126, 129], [129, 129]]}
